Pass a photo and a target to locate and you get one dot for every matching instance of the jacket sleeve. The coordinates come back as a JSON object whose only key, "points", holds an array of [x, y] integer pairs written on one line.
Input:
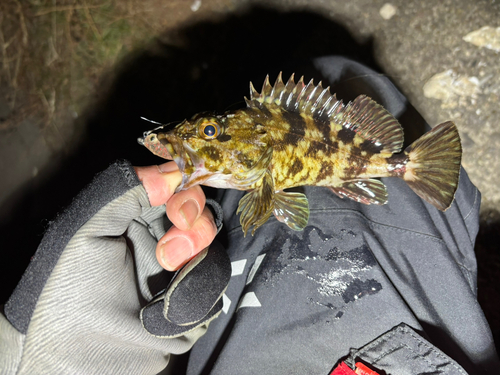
{"points": [[77, 307]]}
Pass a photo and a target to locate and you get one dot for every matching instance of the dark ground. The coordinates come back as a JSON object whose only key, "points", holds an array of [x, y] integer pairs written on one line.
{"points": [[76, 79]]}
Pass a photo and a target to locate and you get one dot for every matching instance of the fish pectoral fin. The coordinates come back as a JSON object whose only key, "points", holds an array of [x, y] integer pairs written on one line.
{"points": [[244, 180], [369, 191], [257, 205], [292, 209]]}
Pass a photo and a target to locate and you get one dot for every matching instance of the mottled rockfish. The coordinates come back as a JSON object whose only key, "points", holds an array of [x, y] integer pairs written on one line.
{"points": [[298, 134]]}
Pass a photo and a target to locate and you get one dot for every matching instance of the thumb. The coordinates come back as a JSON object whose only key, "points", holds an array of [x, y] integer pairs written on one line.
{"points": [[159, 181]]}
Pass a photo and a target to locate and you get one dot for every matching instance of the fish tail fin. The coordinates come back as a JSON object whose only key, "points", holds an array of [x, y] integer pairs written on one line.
{"points": [[433, 168]]}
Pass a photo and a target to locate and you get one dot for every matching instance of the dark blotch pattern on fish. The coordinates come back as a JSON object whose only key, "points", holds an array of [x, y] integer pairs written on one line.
{"points": [[210, 152], [325, 130], [346, 135], [244, 160], [324, 147], [357, 162], [290, 139], [266, 112], [296, 167], [325, 172], [296, 122], [370, 147]]}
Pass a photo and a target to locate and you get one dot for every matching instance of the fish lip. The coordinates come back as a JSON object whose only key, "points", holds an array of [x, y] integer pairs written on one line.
{"points": [[179, 151], [183, 155], [171, 150]]}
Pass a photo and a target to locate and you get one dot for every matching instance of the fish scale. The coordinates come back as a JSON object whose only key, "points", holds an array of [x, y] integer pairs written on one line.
{"points": [[298, 134]]}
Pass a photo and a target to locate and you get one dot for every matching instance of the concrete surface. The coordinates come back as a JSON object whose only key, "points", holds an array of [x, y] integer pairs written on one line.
{"points": [[412, 42]]}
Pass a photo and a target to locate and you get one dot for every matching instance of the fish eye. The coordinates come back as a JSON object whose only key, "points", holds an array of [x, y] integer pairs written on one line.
{"points": [[209, 129]]}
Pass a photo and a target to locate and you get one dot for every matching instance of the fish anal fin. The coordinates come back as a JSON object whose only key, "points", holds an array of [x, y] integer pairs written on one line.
{"points": [[257, 205], [292, 209], [366, 191]]}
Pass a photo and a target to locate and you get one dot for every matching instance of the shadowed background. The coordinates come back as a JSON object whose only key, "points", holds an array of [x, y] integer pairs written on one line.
{"points": [[76, 76]]}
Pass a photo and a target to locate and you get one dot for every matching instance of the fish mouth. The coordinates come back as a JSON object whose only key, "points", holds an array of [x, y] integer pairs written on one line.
{"points": [[169, 146], [184, 156]]}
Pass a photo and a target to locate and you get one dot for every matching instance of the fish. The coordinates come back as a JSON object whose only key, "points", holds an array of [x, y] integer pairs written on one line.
{"points": [[297, 134]]}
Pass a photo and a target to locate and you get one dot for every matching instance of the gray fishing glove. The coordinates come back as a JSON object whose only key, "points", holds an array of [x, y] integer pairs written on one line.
{"points": [[94, 298]]}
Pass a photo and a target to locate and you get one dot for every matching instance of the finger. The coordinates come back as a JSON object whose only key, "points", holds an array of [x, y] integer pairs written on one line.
{"points": [[185, 207], [159, 181], [177, 246]]}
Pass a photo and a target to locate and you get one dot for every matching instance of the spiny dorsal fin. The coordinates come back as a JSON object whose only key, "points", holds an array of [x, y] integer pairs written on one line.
{"points": [[363, 116], [294, 97]]}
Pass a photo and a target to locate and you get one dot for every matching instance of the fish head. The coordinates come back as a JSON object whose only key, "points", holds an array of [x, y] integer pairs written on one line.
{"points": [[214, 150]]}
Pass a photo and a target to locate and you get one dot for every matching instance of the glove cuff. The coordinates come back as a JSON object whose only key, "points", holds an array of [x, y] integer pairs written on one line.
{"points": [[193, 297]]}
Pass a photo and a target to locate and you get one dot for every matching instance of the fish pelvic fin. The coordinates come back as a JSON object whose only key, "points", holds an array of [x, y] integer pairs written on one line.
{"points": [[433, 168], [257, 205], [292, 209]]}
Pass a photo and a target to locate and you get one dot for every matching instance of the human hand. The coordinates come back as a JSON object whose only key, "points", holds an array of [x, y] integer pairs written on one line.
{"points": [[193, 224], [95, 270]]}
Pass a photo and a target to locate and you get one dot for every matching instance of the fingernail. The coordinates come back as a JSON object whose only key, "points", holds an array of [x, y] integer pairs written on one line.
{"points": [[189, 211], [167, 167], [176, 252]]}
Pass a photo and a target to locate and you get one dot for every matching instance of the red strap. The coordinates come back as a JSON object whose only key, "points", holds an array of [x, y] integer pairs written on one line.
{"points": [[343, 369], [361, 369]]}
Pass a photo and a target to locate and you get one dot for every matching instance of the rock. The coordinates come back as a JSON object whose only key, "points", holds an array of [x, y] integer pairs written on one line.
{"points": [[387, 11], [487, 36], [448, 87]]}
